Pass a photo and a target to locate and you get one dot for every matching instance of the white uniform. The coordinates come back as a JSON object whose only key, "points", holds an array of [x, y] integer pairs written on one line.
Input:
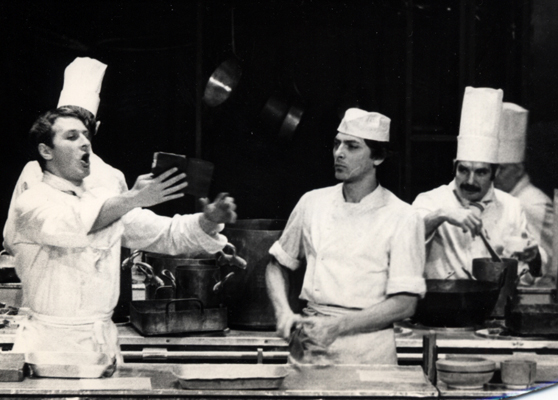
{"points": [[449, 250], [70, 278], [357, 254], [539, 211]]}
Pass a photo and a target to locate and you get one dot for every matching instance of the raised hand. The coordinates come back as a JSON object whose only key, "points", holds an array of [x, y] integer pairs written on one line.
{"points": [[221, 210], [149, 191]]}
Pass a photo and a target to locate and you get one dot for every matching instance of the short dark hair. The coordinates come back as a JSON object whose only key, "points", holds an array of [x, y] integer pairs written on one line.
{"points": [[378, 150], [493, 168], [41, 130]]}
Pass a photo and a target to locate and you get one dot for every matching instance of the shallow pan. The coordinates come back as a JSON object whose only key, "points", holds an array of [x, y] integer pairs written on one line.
{"points": [[161, 317], [69, 365], [230, 376]]}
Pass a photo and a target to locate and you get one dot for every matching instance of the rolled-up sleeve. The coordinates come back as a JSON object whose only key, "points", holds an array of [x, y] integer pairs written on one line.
{"points": [[407, 256], [289, 249], [181, 234]]}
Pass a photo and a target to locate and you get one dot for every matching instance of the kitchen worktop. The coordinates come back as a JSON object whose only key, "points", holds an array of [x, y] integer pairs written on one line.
{"points": [[158, 381]]}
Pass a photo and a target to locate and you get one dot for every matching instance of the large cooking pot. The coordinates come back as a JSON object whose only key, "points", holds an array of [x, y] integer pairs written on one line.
{"points": [[456, 302], [189, 277], [246, 296], [485, 269], [200, 279]]}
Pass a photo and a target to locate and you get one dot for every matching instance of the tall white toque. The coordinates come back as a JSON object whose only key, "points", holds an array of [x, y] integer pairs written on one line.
{"points": [[82, 84], [513, 134], [366, 125], [479, 126]]}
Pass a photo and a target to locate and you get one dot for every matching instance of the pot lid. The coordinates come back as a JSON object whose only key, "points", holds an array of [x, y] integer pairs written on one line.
{"points": [[466, 364]]}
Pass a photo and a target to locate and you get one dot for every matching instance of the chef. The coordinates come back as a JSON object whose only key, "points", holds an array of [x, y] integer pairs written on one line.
{"points": [[364, 250], [514, 179], [455, 214], [66, 230]]}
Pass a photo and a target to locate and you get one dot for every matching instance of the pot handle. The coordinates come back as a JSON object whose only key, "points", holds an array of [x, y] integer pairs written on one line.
{"points": [[230, 259], [129, 262], [191, 299], [171, 276], [219, 285]]}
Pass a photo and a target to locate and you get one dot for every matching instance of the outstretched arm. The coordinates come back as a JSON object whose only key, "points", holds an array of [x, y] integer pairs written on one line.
{"points": [[147, 191]]}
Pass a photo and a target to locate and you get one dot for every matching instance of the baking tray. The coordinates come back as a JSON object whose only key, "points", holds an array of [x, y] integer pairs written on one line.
{"points": [[230, 376], [69, 365], [162, 317]]}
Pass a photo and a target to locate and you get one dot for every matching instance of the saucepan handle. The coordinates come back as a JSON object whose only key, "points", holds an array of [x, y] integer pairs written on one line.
{"points": [[193, 299], [128, 262], [228, 256]]}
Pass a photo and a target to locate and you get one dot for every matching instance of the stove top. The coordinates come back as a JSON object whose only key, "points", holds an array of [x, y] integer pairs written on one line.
{"points": [[503, 333]]}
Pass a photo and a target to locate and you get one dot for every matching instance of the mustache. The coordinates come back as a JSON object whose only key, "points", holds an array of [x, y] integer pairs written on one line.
{"points": [[469, 188]]}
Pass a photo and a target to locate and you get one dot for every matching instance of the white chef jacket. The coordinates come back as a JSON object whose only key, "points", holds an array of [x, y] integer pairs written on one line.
{"points": [[449, 250], [357, 254], [70, 278], [539, 211]]}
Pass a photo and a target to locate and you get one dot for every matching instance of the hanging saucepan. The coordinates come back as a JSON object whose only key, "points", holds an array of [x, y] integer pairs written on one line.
{"points": [[291, 121], [225, 78], [282, 113], [222, 82]]}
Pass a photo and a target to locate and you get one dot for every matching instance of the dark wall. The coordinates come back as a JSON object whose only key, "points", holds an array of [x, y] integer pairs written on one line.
{"points": [[324, 56]]}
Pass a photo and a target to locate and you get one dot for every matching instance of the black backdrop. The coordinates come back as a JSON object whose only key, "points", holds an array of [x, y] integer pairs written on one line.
{"points": [[328, 54]]}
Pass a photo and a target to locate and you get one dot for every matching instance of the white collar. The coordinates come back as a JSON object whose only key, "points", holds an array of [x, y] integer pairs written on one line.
{"points": [[62, 184]]}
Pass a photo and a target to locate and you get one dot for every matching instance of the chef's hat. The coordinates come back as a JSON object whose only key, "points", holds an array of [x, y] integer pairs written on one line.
{"points": [[366, 125], [480, 121], [82, 84], [512, 136]]}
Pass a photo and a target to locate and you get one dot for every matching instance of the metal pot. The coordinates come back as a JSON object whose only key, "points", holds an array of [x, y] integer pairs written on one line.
{"points": [[200, 279], [485, 269], [456, 303], [246, 293]]}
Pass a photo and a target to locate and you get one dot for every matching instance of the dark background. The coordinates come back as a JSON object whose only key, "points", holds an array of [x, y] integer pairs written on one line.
{"points": [[409, 60]]}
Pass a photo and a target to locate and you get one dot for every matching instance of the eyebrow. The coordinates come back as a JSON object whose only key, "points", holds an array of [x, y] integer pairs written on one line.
{"points": [[477, 170]]}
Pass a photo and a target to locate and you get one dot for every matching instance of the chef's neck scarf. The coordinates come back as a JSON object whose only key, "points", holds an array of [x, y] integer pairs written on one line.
{"points": [[62, 184]]}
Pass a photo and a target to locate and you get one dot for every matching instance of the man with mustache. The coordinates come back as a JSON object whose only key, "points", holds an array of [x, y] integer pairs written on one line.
{"points": [[364, 250], [455, 214]]}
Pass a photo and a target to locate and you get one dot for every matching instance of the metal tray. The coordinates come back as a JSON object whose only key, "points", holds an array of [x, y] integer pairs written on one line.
{"points": [[69, 365], [230, 376], [161, 317]]}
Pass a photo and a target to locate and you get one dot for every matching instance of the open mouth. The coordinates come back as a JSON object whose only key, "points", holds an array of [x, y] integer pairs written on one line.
{"points": [[85, 161]]}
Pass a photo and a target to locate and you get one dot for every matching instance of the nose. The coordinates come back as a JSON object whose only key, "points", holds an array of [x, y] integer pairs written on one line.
{"points": [[84, 141], [338, 152], [471, 178]]}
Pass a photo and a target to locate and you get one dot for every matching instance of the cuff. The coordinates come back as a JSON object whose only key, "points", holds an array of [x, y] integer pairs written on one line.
{"points": [[210, 243], [415, 285], [283, 258]]}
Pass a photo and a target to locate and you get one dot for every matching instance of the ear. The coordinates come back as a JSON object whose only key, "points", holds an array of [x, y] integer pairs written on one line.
{"points": [[97, 125], [45, 151], [377, 161]]}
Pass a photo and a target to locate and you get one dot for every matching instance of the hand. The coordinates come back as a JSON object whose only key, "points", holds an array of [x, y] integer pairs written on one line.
{"points": [[467, 219], [221, 210], [286, 321], [149, 191], [528, 254], [322, 330]]}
